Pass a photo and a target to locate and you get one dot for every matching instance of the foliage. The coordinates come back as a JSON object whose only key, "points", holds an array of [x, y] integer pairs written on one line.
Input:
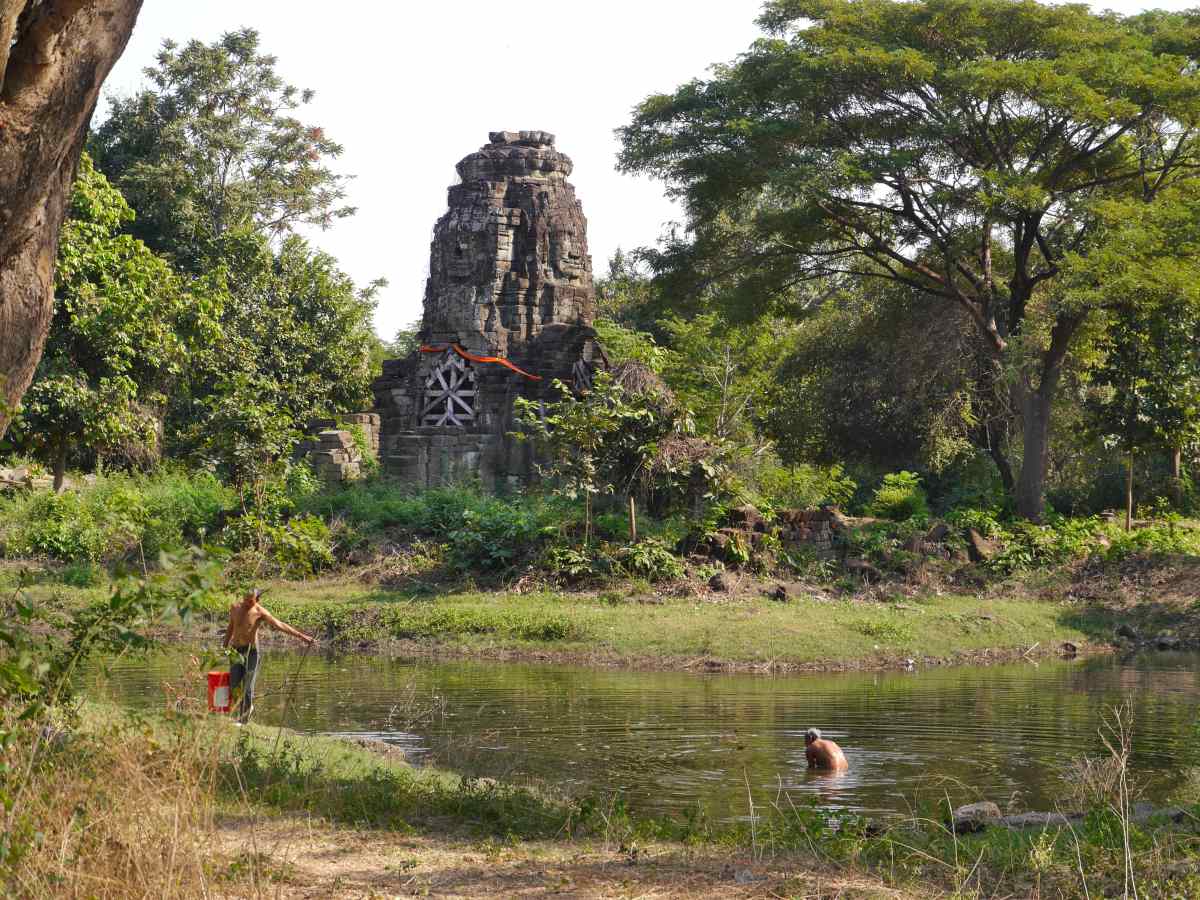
{"points": [[723, 373], [622, 343], [923, 398], [407, 340], [297, 344], [599, 443], [118, 517], [222, 173], [1017, 156], [368, 461], [211, 146], [1146, 389], [40, 654], [241, 431], [1158, 539], [900, 497], [496, 536], [484, 534], [301, 546], [122, 333], [628, 297], [1145, 393], [650, 559], [803, 486]]}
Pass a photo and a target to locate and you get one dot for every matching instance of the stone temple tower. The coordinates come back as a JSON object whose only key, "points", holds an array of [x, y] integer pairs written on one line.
{"points": [[508, 309]]}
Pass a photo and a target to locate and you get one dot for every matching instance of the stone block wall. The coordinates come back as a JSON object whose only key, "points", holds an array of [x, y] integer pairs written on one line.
{"points": [[813, 529], [331, 449]]}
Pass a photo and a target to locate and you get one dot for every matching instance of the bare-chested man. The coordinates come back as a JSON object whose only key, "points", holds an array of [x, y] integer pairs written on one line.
{"points": [[823, 754], [245, 618]]}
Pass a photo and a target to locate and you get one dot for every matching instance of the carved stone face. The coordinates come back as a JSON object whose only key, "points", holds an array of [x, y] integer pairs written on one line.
{"points": [[564, 255], [462, 246]]}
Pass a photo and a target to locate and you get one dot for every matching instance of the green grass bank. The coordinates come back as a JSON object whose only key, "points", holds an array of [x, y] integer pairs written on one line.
{"points": [[742, 628]]}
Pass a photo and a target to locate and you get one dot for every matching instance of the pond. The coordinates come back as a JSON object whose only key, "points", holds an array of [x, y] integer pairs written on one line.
{"points": [[669, 741]]}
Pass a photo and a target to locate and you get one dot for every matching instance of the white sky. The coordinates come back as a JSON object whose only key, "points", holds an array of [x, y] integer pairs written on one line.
{"points": [[409, 88]]}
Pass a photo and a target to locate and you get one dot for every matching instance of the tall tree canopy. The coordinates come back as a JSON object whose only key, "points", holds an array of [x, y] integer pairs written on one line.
{"points": [[54, 55], [296, 339], [124, 327], [964, 148], [212, 146]]}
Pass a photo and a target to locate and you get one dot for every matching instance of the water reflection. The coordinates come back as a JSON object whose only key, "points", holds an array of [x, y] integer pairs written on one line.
{"points": [[669, 741]]}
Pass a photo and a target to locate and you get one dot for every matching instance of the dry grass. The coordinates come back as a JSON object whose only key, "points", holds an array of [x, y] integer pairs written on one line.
{"points": [[133, 810], [121, 812]]}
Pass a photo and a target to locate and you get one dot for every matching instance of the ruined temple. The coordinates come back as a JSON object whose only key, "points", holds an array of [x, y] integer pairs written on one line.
{"points": [[508, 309]]}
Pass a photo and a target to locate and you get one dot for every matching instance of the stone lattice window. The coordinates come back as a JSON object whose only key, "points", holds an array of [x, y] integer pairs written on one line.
{"points": [[449, 392]]}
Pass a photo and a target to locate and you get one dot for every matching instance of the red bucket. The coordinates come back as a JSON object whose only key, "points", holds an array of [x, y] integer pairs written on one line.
{"points": [[218, 692]]}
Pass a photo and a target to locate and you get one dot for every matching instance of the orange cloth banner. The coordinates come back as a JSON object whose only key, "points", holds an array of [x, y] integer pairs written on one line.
{"points": [[481, 359]]}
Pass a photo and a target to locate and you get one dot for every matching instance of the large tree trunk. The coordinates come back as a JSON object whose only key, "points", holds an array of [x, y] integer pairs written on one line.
{"points": [[1177, 478], [1036, 404], [54, 55], [60, 465], [1035, 424]]}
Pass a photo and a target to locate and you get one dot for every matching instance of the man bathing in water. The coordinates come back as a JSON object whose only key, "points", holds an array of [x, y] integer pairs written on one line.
{"points": [[823, 754], [245, 618]]}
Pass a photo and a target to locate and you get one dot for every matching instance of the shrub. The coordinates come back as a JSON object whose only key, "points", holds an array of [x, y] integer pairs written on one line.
{"points": [[484, 533], [985, 521], [803, 486], [900, 497], [1169, 538], [570, 563], [369, 462], [498, 535], [115, 517], [301, 546], [650, 559]]}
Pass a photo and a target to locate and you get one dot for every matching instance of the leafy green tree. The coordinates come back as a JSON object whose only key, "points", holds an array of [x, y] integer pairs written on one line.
{"points": [[212, 146], [723, 373], [296, 338], [605, 441], [407, 340], [921, 399], [1145, 394], [243, 432], [121, 336], [963, 149], [628, 295]]}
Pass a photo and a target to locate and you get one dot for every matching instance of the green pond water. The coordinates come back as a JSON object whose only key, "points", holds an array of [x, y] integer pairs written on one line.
{"points": [[667, 742]]}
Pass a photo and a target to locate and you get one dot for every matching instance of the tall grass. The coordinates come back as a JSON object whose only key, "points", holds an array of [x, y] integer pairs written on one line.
{"points": [[121, 811], [119, 517]]}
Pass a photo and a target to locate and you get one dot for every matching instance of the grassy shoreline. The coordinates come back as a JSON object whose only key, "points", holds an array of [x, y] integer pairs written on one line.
{"points": [[187, 805], [745, 630]]}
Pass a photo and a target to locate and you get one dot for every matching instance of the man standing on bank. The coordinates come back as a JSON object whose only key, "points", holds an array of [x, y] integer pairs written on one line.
{"points": [[245, 618], [823, 754]]}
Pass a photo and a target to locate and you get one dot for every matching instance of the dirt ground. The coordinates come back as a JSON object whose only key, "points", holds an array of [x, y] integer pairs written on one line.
{"points": [[298, 858]]}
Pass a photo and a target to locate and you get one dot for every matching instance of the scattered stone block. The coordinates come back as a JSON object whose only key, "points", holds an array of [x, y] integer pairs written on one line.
{"points": [[720, 583], [862, 568], [974, 817], [1035, 820], [979, 548]]}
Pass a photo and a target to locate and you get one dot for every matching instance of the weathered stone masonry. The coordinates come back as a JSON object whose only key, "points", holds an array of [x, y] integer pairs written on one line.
{"points": [[509, 278]]}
